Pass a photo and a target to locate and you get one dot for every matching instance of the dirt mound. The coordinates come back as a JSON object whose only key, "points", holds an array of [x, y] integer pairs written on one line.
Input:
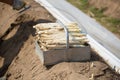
{"points": [[111, 7], [78, 71], [18, 60], [20, 29], [62, 71]]}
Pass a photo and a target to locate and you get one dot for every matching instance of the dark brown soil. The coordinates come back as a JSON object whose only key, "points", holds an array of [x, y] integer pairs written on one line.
{"points": [[18, 60]]}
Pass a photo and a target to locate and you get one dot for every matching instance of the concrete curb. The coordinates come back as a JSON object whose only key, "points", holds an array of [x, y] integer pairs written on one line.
{"points": [[109, 58]]}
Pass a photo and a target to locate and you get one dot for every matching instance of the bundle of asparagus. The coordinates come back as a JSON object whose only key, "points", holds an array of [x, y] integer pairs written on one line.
{"points": [[77, 34], [52, 36]]}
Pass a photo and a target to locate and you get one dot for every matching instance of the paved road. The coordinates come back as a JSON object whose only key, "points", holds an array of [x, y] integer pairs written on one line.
{"points": [[89, 25]]}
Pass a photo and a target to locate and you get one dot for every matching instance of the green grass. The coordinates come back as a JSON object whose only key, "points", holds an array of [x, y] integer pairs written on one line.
{"points": [[111, 24], [81, 4]]}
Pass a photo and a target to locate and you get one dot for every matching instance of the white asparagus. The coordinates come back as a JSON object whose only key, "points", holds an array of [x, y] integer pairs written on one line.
{"points": [[52, 36]]}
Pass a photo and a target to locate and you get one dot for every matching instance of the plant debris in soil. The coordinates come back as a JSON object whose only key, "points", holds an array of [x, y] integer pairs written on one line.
{"points": [[18, 60]]}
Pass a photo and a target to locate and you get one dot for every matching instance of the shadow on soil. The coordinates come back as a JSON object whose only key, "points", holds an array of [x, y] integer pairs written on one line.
{"points": [[10, 48]]}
